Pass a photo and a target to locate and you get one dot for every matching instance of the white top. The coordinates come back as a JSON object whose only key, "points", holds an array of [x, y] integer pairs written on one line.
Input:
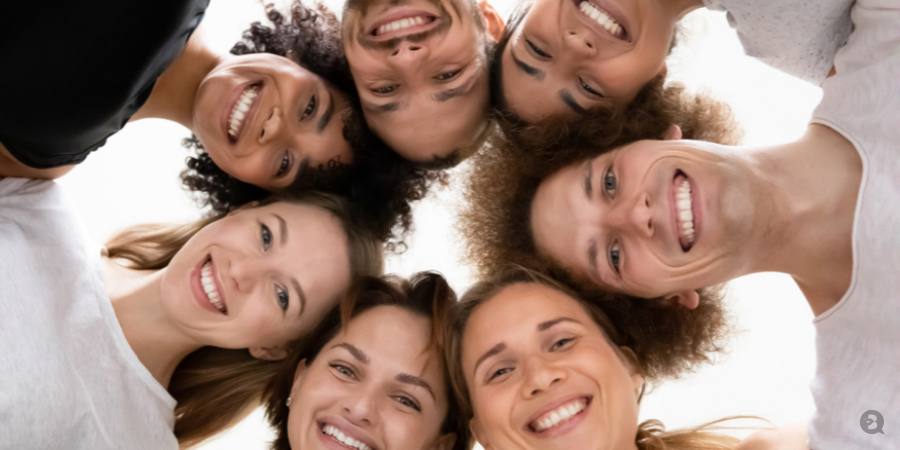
{"points": [[69, 379], [858, 340], [798, 37]]}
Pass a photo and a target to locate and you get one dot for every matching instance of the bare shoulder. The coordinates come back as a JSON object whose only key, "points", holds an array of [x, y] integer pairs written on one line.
{"points": [[788, 437]]}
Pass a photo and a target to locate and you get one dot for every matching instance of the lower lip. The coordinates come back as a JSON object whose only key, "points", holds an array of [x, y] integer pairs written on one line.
{"points": [[329, 442], [197, 288], [248, 117], [600, 29], [566, 427]]}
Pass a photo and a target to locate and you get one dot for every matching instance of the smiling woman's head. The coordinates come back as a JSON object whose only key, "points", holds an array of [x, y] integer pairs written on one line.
{"points": [[372, 375], [536, 367], [243, 288]]}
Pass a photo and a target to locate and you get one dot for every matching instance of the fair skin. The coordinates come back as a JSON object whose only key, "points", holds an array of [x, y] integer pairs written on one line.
{"points": [[292, 120], [561, 60], [617, 219], [377, 383], [275, 272], [424, 88], [531, 351]]}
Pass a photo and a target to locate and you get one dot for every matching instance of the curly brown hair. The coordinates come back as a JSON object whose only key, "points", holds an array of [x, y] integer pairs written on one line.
{"points": [[504, 179], [425, 293], [379, 184]]}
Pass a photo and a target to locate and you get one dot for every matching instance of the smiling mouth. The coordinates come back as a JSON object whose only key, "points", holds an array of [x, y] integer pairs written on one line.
{"points": [[684, 203], [559, 416], [210, 288], [346, 441], [604, 19], [239, 112]]}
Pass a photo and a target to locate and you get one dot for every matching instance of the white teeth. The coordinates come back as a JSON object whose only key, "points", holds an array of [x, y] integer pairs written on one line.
{"points": [[600, 16], [344, 439], [685, 214], [558, 415], [209, 286], [400, 24], [240, 110]]}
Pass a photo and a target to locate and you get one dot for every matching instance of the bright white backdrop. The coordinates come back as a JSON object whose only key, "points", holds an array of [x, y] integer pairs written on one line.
{"points": [[133, 179]]}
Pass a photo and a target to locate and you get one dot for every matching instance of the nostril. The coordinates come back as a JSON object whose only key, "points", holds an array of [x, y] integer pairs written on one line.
{"points": [[589, 45], [262, 134], [395, 52], [414, 48]]}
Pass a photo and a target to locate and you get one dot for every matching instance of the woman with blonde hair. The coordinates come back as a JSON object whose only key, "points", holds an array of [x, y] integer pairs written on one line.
{"points": [[171, 335]]}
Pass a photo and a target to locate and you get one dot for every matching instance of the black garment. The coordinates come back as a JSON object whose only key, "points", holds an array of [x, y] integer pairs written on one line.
{"points": [[73, 72]]}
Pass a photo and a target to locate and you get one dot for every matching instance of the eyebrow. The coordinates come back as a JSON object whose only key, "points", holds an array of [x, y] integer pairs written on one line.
{"points": [[357, 353], [543, 326], [493, 351], [567, 98], [457, 91], [326, 116], [378, 109], [588, 176], [592, 256], [415, 381], [538, 74]]}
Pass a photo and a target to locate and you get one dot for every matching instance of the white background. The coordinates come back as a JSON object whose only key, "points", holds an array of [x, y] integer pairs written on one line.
{"points": [[770, 362]]}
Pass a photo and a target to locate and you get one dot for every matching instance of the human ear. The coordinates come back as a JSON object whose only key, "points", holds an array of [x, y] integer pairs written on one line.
{"points": [[688, 299], [637, 378], [493, 23], [245, 206], [478, 432], [274, 353], [445, 442], [673, 133]]}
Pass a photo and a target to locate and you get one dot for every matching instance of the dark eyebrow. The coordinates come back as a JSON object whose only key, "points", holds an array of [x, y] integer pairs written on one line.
{"points": [[493, 351], [538, 74], [569, 100], [588, 176], [357, 353], [550, 323], [457, 91], [415, 381], [326, 116], [300, 293], [592, 256], [378, 109], [282, 228]]}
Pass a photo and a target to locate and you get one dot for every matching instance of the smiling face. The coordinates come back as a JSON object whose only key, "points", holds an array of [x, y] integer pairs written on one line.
{"points": [[374, 386], [261, 117], [421, 72], [652, 218], [542, 375], [569, 56], [258, 277]]}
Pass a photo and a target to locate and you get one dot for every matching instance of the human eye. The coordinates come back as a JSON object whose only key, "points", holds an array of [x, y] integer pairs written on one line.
{"points": [[408, 402], [309, 108], [447, 76], [615, 256], [499, 373], [537, 49], [560, 343], [343, 370], [588, 88], [283, 297], [385, 89], [284, 165], [609, 183], [265, 235]]}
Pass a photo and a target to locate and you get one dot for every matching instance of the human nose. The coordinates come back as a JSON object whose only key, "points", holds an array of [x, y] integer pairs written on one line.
{"points": [[635, 215], [408, 55], [244, 273], [580, 44], [361, 408], [540, 376], [272, 126]]}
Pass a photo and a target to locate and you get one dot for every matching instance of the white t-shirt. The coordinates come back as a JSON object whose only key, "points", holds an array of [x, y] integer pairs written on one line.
{"points": [[798, 37], [858, 340], [68, 379]]}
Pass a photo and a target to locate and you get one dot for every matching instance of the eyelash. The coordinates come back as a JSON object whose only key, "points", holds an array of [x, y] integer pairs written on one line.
{"points": [[284, 299], [309, 108], [284, 166], [615, 256], [385, 89], [557, 344], [609, 183], [403, 400], [497, 373], [588, 88], [408, 402], [266, 235], [447, 76], [537, 50], [343, 370]]}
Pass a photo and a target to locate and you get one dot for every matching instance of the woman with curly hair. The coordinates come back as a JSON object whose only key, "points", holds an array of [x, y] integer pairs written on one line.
{"points": [[534, 366], [570, 57], [171, 333], [660, 220], [280, 113], [372, 375]]}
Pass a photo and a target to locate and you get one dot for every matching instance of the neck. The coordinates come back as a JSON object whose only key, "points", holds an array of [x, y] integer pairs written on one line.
{"points": [[811, 186], [137, 301], [173, 94]]}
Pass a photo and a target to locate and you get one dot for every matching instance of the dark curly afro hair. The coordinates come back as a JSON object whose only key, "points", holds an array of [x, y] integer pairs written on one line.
{"points": [[495, 221], [379, 184]]}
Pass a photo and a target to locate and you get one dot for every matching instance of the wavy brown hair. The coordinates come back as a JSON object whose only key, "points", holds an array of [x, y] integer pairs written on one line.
{"points": [[216, 387], [426, 294], [504, 177], [651, 434], [378, 183]]}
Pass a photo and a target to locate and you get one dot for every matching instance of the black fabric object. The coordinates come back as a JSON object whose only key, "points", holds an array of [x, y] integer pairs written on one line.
{"points": [[73, 72]]}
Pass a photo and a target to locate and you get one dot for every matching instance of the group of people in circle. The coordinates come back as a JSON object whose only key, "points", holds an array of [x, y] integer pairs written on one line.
{"points": [[604, 209]]}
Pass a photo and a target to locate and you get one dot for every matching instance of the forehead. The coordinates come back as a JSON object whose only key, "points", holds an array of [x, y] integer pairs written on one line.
{"points": [[560, 214], [392, 337]]}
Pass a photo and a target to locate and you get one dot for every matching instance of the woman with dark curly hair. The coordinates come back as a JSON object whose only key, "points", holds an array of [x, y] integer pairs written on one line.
{"points": [[276, 115], [372, 375]]}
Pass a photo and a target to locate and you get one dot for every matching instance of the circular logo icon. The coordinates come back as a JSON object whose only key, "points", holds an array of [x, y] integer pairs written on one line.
{"points": [[872, 422]]}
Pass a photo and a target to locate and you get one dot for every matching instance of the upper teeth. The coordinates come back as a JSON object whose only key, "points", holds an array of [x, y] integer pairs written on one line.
{"points": [[209, 286], [683, 204], [348, 441], [402, 23], [240, 110], [558, 415], [601, 16]]}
